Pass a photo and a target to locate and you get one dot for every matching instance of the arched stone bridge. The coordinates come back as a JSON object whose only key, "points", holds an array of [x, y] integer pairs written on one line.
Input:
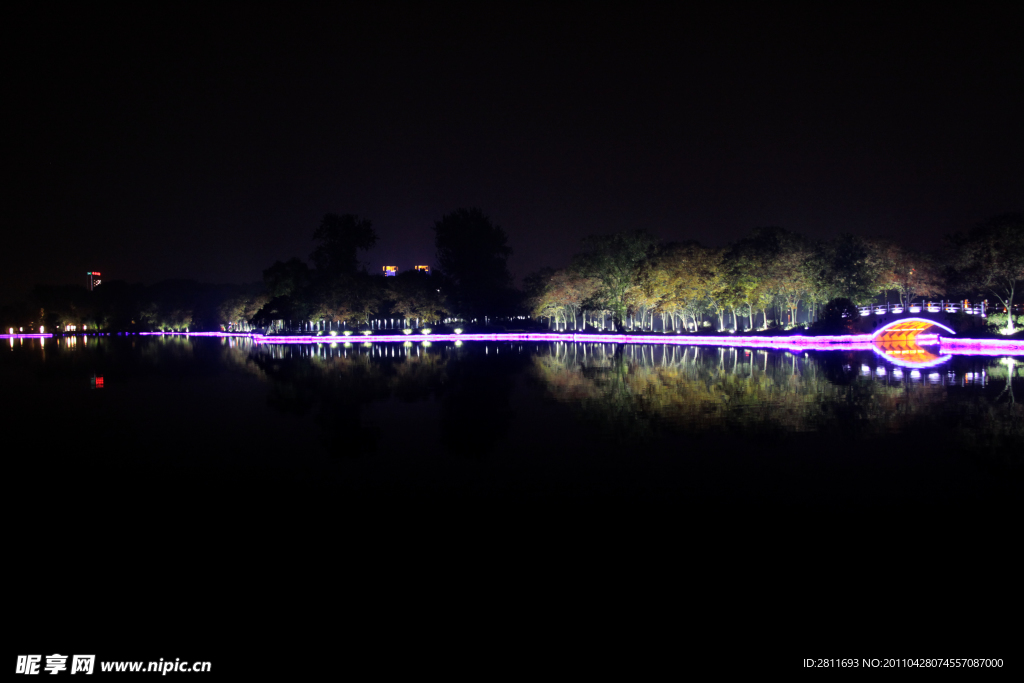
{"points": [[906, 322], [910, 335]]}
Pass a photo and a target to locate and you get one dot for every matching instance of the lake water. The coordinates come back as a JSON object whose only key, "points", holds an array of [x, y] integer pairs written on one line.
{"points": [[519, 421], [206, 466]]}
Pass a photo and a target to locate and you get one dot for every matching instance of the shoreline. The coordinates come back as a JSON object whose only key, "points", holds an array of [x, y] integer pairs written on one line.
{"points": [[803, 342]]}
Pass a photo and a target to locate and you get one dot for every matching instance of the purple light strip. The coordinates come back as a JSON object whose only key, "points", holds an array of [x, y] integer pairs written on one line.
{"points": [[798, 342], [844, 342], [853, 342], [198, 334], [793, 342]]}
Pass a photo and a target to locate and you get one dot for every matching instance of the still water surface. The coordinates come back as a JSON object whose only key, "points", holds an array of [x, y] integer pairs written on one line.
{"points": [[673, 492], [521, 420]]}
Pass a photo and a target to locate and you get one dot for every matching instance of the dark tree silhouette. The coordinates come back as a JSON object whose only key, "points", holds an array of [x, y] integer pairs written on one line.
{"points": [[838, 316], [286, 278], [989, 259], [340, 237], [472, 253], [415, 295]]}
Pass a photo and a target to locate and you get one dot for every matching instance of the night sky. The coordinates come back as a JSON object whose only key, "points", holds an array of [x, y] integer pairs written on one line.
{"points": [[151, 144]]}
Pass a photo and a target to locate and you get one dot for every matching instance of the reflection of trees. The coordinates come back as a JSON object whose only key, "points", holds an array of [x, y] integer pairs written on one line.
{"points": [[170, 349], [630, 394], [337, 388], [472, 389], [633, 390], [995, 429], [1006, 369]]}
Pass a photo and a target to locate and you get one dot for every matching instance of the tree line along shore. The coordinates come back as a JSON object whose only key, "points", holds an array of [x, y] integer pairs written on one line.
{"points": [[772, 279]]}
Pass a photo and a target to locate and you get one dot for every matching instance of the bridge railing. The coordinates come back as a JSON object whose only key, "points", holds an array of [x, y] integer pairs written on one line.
{"points": [[926, 307]]}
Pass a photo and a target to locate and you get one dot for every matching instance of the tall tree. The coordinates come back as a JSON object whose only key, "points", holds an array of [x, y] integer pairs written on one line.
{"points": [[989, 259], [241, 306], [680, 275], [286, 278], [746, 277], [909, 273], [790, 278], [414, 295], [711, 285], [564, 294], [848, 267], [535, 286], [340, 237], [472, 253], [615, 262], [771, 264]]}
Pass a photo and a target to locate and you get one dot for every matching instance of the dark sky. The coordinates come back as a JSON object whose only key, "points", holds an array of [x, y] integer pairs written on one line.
{"points": [[156, 144]]}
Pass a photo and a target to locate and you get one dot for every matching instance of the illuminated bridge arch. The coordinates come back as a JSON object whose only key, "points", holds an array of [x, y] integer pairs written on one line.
{"points": [[901, 342], [907, 330]]}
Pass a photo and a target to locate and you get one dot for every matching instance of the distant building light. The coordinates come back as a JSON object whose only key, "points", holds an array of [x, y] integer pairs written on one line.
{"points": [[424, 269], [390, 271]]}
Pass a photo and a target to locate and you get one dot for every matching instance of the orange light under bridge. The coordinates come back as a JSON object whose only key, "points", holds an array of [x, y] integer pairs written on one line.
{"points": [[908, 330]]}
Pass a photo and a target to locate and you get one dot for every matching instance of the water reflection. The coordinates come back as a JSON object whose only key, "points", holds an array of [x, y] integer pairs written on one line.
{"points": [[635, 392], [468, 396], [336, 386], [909, 353]]}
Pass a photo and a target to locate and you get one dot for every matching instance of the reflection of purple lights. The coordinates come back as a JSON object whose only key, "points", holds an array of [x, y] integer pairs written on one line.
{"points": [[25, 336], [985, 352], [910, 364], [859, 342], [793, 342], [981, 345], [197, 334], [852, 342]]}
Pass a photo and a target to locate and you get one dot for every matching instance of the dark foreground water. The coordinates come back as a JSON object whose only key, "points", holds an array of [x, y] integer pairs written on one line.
{"points": [[147, 470], [513, 422]]}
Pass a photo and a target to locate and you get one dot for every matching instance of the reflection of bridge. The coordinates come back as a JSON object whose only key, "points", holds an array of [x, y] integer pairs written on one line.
{"points": [[909, 352]]}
